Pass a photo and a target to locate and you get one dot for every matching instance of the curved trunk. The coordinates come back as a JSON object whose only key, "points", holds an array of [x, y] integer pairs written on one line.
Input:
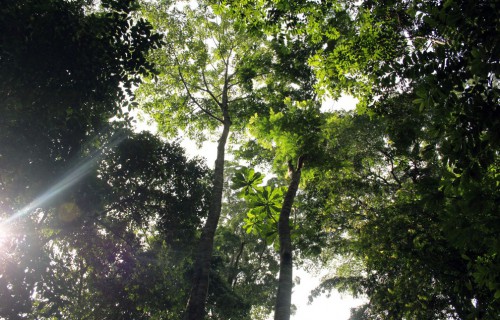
{"points": [[284, 297], [196, 305]]}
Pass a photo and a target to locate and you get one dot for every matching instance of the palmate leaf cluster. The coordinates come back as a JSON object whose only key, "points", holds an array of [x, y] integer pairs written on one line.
{"points": [[264, 203], [244, 265]]}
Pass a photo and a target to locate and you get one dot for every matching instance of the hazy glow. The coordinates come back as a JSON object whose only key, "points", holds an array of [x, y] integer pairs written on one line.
{"points": [[4, 233], [71, 178]]}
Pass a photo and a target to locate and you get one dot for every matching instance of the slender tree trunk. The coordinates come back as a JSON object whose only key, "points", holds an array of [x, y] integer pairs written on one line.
{"points": [[231, 279], [284, 297], [196, 305]]}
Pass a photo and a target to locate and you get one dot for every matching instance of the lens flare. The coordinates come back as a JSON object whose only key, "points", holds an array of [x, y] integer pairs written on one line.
{"points": [[4, 231], [70, 179], [4, 238]]}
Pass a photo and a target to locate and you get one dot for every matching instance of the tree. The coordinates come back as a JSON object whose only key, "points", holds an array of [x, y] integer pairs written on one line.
{"points": [[289, 133], [164, 197], [61, 67], [382, 205], [201, 89], [118, 243], [269, 218], [104, 223], [452, 87], [287, 129], [244, 263], [285, 284], [61, 84], [437, 61]]}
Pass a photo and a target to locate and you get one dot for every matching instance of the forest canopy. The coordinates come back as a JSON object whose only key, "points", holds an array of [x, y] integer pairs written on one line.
{"points": [[398, 199]]}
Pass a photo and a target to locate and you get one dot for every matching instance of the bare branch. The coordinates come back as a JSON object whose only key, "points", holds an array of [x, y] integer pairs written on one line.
{"points": [[432, 40], [193, 99], [208, 89], [389, 157]]}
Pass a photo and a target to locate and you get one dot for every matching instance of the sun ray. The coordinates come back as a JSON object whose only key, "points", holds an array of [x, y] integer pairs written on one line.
{"points": [[70, 179]]}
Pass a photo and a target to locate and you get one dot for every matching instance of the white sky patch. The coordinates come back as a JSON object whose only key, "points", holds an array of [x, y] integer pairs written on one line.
{"points": [[337, 306], [143, 121], [208, 149], [345, 102]]}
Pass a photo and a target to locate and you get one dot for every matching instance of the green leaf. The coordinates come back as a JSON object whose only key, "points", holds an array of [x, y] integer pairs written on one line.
{"points": [[248, 180]]}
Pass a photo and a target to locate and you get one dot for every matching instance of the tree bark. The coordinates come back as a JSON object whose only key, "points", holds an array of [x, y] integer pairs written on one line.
{"points": [[196, 305], [284, 297]]}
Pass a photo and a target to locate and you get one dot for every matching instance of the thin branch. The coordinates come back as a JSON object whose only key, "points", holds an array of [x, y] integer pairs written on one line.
{"points": [[237, 83], [216, 40], [389, 157], [212, 65], [112, 231], [230, 85], [432, 40], [208, 89], [239, 99], [377, 176], [225, 98], [206, 111], [226, 62], [259, 264], [232, 279]]}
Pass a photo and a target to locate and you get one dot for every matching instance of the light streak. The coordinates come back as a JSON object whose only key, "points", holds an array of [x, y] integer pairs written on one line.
{"points": [[74, 175]]}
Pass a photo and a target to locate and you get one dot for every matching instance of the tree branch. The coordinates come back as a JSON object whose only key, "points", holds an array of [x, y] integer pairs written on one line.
{"points": [[389, 157], [300, 162], [207, 90], [239, 99], [432, 40], [184, 82]]}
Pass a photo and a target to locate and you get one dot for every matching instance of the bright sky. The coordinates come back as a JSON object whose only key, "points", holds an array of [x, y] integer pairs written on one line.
{"points": [[336, 306]]}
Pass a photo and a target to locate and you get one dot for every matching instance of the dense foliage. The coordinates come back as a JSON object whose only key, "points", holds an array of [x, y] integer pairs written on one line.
{"points": [[401, 196], [422, 213]]}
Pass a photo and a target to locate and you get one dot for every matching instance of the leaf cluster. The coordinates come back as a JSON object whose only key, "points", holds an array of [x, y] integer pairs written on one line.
{"points": [[264, 203]]}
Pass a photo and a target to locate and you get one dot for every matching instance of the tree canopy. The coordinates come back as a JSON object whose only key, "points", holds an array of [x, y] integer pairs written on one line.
{"points": [[400, 195]]}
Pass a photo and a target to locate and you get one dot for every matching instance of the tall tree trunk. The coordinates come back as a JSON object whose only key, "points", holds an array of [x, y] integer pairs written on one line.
{"points": [[196, 305], [284, 297]]}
